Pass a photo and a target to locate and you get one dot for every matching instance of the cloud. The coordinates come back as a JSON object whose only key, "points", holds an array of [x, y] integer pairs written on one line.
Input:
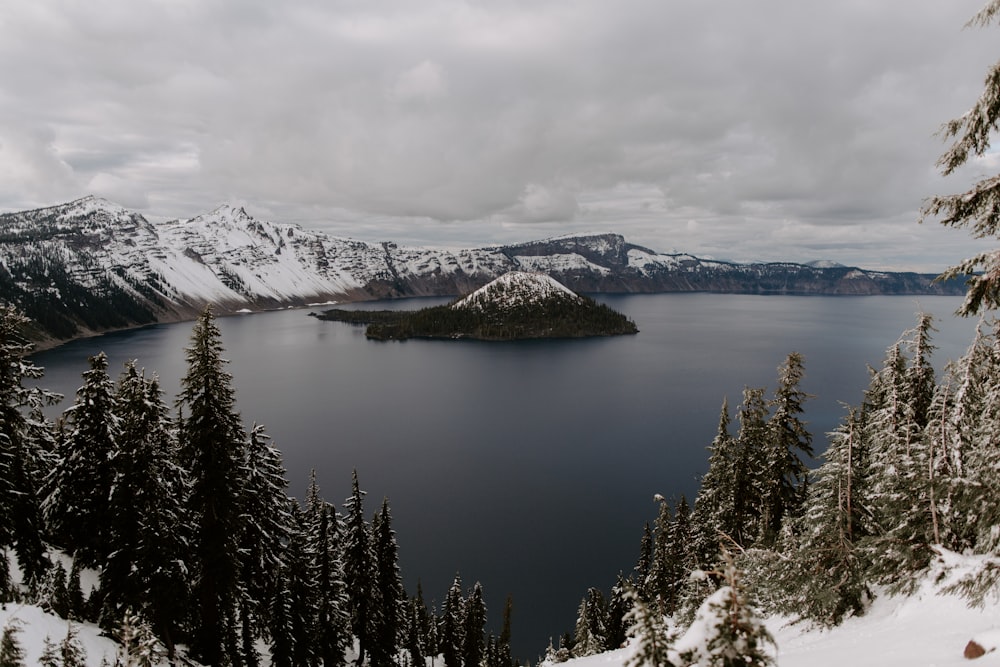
{"points": [[737, 116]]}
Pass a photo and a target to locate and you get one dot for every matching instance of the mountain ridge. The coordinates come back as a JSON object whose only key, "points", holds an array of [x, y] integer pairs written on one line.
{"points": [[90, 265]]}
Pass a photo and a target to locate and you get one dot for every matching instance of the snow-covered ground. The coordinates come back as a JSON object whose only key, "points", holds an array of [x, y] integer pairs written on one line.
{"points": [[925, 629]]}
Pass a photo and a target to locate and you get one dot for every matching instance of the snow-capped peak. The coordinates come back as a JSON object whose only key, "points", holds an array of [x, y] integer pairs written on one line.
{"points": [[516, 288]]}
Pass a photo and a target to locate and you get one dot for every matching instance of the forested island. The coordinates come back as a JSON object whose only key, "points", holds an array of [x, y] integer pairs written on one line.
{"points": [[516, 306]]}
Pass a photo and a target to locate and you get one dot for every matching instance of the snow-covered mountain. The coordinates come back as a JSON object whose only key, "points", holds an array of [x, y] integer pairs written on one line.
{"points": [[91, 265]]}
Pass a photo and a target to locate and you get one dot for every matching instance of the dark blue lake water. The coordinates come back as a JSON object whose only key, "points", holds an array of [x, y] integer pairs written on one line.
{"points": [[528, 466]]}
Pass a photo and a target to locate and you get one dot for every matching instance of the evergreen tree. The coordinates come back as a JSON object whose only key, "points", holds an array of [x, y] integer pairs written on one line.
{"points": [[590, 637], [265, 521], [333, 631], [713, 508], [785, 473], [212, 450], [825, 579], [619, 605], [473, 633], [11, 652], [680, 558], [899, 492], [389, 587], [651, 640], [659, 580], [451, 639], [979, 208], [300, 590], [359, 570], [79, 485], [53, 596], [68, 653], [147, 539], [22, 426], [645, 562], [727, 631]]}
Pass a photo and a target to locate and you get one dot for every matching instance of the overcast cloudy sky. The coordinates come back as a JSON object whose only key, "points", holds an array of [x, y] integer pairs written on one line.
{"points": [[740, 129]]}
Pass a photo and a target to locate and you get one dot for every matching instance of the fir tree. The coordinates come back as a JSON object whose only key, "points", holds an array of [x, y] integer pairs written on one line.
{"points": [[21, 467], [473, 633], [645, 563], [452, 625], [727, 631], [650, 638], [619, 605], [68, 653], [333, 619], [713, 508], [590, 636], [11, 653], [265, 520], [389, 587], [79, 486], [978, 208], [825, 579], [300, 590], [785, 473], [359, 570], [211, 449], [147, 536]]}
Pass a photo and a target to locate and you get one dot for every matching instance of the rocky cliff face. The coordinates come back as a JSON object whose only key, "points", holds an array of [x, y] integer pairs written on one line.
{"points": [[90, 266]]}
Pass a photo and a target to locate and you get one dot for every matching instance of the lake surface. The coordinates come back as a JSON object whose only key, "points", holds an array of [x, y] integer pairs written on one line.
{"points": [[528, 466]]}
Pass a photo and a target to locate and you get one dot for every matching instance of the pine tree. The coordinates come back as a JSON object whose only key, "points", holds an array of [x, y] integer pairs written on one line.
{"points": [[899, 500], [590, 636], [11, 653], [68, 653], [645, 563], [659, 580], [76, 507], [265, 520], [53, 596], [727, 631], [389, 587], [300, 590], [333, 619], [979, 208], [680, 556], [359, 570], [212, 450], [452, 625], [148, 541], [651, 641], [22, 425], [473, 633], [713, 509], [825, 579], [785, 473], [619, 605]]}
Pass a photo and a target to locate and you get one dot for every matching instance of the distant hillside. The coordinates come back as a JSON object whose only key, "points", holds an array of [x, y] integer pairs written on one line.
{"points": [[515, 306], [91, 265]]}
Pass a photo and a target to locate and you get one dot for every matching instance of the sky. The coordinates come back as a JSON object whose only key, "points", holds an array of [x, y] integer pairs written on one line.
{"points": [[749, 130]]}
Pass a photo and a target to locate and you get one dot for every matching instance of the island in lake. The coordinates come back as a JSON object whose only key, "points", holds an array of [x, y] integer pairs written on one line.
{"points": [[518, 305]]}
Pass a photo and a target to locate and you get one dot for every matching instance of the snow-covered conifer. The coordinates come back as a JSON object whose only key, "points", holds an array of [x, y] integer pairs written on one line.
{"points": [[474, 631], [11, 652], [22, 425], [727, 632], [78, 487], [148, 539], [333, 621], [212, 444], [976, 209], [651, 640], [359, 569], [451, 635], [265, 522], [389, 587]]}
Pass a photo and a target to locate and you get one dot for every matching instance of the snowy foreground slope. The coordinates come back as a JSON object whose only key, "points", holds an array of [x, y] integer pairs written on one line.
{"points": [[926, 628]]}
